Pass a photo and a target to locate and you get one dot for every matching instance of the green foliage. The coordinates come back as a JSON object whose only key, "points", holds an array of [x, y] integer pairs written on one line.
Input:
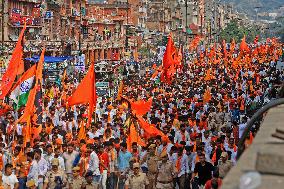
{"points": [[234, 30]]}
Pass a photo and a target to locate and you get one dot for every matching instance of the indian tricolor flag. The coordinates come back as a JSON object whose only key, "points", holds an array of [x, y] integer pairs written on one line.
{"points": [[22, 88]]}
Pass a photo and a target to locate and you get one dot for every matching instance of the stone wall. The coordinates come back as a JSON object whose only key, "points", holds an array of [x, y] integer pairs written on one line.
{"points": [[265, 155]]}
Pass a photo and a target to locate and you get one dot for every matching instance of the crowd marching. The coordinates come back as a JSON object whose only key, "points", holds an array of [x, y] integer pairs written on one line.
{"points": [[175, 125]]}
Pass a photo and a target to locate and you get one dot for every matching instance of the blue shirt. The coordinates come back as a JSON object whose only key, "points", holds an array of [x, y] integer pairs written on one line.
{"points": [[123, 160]]}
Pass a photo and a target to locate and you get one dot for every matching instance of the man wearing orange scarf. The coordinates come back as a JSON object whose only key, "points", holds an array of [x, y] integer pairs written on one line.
{"points": [[182, 168]]}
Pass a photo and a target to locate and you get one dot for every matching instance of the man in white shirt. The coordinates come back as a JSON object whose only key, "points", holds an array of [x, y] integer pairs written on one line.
{"points": [[42, 167], [9, 179], [93, 164], [242, 126]]}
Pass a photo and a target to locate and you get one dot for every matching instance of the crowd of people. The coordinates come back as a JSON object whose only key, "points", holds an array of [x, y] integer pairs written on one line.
{"points": [[199, 119]]}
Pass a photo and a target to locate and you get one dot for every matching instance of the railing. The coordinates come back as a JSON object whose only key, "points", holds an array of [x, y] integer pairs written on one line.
{"points": [[255, 117]]}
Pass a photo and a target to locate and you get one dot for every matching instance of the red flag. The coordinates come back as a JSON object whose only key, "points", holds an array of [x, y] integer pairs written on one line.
{"points": [[16, 66], [212, 52], [85, 93]]}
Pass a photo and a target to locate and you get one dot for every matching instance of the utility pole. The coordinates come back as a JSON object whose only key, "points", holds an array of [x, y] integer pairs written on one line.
{"points": [[164, 19], [80, 31], [186, 24], [127, 28], [2, 21]]}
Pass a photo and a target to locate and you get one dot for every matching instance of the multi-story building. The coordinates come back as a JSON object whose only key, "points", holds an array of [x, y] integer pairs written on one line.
{"points": [[164, 16], [70, 26], [105, 30]]}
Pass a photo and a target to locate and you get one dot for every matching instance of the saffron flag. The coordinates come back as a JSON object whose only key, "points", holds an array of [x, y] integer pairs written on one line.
{"points": [[134, 136], [120, 91], [149, 129], [194, 43], [232, 46], [243, 45], [208, 75], [207, 96], [22, 88], [16, 66], [141, 107], [85, 93], [37, 118], [169, 54], [82, 132]]}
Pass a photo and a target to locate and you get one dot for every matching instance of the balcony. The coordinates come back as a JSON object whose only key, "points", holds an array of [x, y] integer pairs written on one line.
{"points": [[30, 22]]}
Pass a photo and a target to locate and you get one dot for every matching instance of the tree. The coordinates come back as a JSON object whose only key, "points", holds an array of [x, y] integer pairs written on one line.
{"points": [[236, 31]]}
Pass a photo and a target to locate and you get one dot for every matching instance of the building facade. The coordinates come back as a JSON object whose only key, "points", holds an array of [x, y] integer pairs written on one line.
{"points": [[68, 27]]}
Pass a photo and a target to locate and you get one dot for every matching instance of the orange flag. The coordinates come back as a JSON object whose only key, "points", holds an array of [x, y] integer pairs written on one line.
{"points": [[120, 91], [178, 58], [224, 48], [207, 96], [141, 107], [16, 66], [232, 46], [85, 93], [208, 75], [134, 137], [82, 133], [27, 132], [168, 58], [37, 131], [40, 67], [148, 128], [194, 43], [243, 45]]}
